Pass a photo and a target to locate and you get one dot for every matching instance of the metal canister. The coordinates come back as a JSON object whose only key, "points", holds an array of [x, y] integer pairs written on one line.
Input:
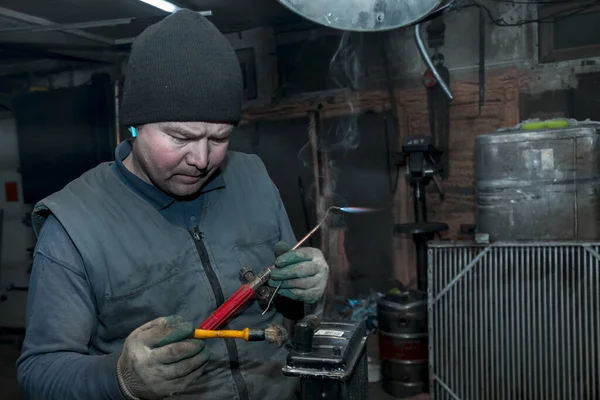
{"points": [[403, 343], [539, 184]]}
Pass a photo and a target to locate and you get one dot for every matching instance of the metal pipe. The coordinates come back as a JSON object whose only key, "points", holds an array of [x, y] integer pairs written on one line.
{"points": [[117, 96], [76, 25], [1, 232], [84, 25], [313, 136], [30, 19], [427, 59]]}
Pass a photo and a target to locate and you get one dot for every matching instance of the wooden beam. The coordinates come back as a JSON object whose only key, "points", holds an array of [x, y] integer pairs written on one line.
{"points": [[329, 104], [336, 103]]}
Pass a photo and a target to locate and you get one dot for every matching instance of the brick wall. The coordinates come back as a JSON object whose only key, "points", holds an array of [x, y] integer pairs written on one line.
{"points": [[501, 109]]}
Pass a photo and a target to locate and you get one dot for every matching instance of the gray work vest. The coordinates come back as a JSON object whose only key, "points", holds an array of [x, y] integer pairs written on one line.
{"points": [[141, 267]]}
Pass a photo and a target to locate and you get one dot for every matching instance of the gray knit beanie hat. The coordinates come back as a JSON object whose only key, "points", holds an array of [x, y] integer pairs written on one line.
{"points": [[182, 69]]}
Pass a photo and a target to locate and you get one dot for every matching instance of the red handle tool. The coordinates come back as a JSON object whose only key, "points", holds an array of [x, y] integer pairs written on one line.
{"points": [[245, 293], [234, 303], [217, 319]]}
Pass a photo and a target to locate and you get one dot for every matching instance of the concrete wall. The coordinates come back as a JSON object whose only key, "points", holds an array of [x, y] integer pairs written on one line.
{"points": [[506, 47], [262, 41]]}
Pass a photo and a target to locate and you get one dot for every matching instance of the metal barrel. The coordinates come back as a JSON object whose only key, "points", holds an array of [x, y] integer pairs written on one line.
{"points": [[403, 343], [540, 184]]}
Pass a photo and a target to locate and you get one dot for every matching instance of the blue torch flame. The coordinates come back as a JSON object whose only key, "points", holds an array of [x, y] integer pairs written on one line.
{"points": [[357, 210]]}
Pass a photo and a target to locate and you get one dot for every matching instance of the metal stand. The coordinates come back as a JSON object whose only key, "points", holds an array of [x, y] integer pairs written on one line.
{"points": [[421, 168]]}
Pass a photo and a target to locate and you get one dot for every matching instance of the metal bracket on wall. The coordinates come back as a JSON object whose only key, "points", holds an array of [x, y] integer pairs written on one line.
{"points": [[438, 103], [13, 288], [481, 70], [481, 58], [1, 231]]}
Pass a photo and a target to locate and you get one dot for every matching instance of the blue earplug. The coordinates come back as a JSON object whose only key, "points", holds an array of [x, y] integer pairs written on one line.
{"points": [[133, 131]]}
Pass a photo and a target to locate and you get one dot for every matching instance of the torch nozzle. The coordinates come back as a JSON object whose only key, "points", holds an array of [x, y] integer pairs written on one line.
{"points": [[248, 291]]}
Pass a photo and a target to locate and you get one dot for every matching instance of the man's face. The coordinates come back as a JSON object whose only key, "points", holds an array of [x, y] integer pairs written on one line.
{"points": [[179, 157]]}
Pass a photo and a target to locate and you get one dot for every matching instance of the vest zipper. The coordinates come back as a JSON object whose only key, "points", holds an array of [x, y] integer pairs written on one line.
{"points": [[230, 344]]}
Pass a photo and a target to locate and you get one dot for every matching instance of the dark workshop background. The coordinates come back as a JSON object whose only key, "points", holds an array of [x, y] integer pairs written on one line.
{"points": [[361, 93]]}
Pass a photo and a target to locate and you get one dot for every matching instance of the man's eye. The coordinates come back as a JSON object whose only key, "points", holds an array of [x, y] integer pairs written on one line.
{"points": [[220, 140], [178, 140]]}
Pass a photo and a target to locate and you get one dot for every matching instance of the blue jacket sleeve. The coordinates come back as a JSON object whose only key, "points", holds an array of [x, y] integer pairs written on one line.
{"points": [[55, 362]]}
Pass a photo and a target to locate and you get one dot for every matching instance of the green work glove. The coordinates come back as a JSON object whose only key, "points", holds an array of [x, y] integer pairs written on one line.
{"points": [[302, 273], [159, 359]]}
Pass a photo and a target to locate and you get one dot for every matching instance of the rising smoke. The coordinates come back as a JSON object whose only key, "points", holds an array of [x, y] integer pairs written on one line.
{"points": [[337, 136], [344, 72]]}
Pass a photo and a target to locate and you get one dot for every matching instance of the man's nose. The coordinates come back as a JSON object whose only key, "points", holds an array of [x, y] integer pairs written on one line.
{"points": [[198, 154]]}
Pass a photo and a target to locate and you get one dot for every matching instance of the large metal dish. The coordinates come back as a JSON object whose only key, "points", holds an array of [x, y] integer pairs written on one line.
{"points": [[364, 15]]}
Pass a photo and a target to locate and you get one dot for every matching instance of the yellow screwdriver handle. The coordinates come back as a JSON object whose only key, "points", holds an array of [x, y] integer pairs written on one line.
{"points": [[206, 334]]}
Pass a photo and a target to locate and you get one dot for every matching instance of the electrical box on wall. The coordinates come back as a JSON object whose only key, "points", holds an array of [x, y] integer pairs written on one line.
{"points": [[255, 49]]}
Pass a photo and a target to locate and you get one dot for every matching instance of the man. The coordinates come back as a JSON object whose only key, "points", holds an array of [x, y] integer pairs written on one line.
{"points": [[135, 254]]}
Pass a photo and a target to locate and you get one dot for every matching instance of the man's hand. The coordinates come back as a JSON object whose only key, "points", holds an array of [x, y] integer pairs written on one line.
{"points": [[159, 359], [302, 273]]}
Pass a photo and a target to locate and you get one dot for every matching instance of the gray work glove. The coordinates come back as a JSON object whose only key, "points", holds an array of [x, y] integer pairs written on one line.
{"points": [[302, 273], [159, 359]]}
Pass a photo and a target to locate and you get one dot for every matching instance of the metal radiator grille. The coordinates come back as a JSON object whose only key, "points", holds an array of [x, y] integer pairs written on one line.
{"points": [[514, 321]]}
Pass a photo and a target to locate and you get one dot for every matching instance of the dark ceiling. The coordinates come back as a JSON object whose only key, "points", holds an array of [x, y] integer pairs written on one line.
{"points": [[101, 43]]}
